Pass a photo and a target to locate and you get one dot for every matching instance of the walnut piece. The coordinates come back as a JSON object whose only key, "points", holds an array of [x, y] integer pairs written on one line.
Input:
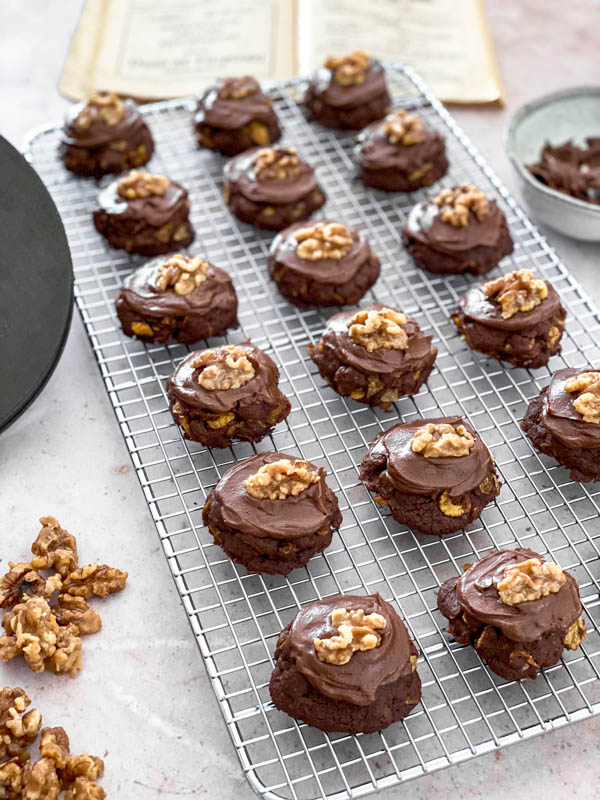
{"points": [[280, 480], [238, 88], [403, 128], [516, 291], [82, 789], [139, 184], [349, 70], [34, 629], [93, 579], [575, 634], [587, 402], [356, 631], [67, 655], [380, 329], [54, 744], [530, 580], [276, 164], [54, 548], [105, 106], [330, 240], [11, 779], [83, 766], [23, 581], [224, 368], [40, 781], [442, 441], [70, 609], [18, 727], [182, 272], [455, 204]]}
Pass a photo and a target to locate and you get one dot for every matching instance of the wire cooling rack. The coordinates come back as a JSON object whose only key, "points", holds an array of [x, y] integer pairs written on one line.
{"points": [[236, 616]]}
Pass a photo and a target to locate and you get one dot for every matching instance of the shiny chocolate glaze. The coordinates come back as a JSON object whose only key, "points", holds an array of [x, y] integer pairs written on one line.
{"points": [[240, 176], [358, 680], [374, 151], [155, 210], [477, 307], [477, 594], [230, 113], [413, 473], [330, 271], [337, 337], [425, 225], [292, 518], [560, 417], [99, 133], [344, 97], [183, 383]]}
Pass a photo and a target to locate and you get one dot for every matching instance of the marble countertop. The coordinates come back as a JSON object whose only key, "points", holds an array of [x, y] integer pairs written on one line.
{"points": [[143, 699]]}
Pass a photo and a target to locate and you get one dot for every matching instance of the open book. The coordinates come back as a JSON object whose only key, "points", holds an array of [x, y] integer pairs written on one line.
{"points": [[150, 49]]}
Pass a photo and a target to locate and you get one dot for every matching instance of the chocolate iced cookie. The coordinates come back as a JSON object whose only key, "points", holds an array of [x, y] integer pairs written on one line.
{"points": [[570, 169], [144, 213], [458, 230], [348, 92], [400, 153], [226, 393], [563, 421], [272, 512], [436, 475], [323, 264], [105, 135], [271, 187], [182, 298], [234, 115], [374, 355], [346, 664], [518, 611], [515, 318]]}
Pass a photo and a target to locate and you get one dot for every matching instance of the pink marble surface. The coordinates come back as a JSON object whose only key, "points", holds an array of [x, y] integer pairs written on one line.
{"points": [[144, 697]]}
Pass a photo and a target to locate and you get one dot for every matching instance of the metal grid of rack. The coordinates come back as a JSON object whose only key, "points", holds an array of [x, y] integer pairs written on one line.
{"points": [[236, 616]]}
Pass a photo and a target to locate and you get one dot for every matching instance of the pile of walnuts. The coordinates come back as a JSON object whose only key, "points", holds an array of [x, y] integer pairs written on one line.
{"points": [[56, 771], [47, 616]]}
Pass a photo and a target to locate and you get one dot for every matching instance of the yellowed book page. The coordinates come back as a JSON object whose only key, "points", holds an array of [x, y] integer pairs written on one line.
{"points": [[153, 49], [446, 41], [74, 81]]}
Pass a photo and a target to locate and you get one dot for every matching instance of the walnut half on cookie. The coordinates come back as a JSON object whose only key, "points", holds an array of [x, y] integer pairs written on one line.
{"points": [[222, 394]]}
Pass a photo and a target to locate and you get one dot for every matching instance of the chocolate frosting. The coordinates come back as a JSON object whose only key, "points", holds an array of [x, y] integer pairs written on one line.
{"points": [[141, 293], [412, 473], [155, 210], [241, 176], [358, 680], [229, 113], [479, 308], [292, 518], [477, 594], [560, 417], [330, 271], [570, 169], [99, 133], [374, 151], [426, 225], [184, 384], [337, 337], [344, 97]]}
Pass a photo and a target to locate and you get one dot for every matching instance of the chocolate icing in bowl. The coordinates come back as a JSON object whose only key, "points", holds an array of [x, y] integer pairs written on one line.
{"points": [[477, 307], [561, 418], [304, 514], [382, 361], [358, 680], [327, 270], [478, 596], [426, 225], [413, 473], [184, 385]]}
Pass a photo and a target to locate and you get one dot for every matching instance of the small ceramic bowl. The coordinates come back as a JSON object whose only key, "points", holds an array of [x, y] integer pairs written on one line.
{"points": [[555, 118]]}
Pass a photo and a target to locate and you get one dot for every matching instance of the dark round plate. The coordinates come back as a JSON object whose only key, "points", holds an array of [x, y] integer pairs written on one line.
{"points": [[36, 284]]}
